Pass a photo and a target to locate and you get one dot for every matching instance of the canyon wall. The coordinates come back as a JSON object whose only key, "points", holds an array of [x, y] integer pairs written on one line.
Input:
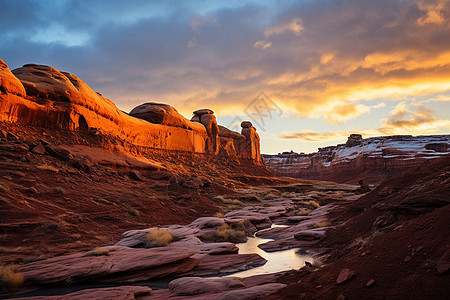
{"points": [[372, 159], [43, 96]]}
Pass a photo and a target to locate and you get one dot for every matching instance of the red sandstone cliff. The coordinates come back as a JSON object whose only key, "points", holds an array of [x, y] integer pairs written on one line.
{"points": [[43, 96], [372, 159]]}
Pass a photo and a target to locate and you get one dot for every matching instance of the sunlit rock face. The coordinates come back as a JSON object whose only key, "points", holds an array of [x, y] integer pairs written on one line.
{"points": [[8, 82], [207, 118], [39, 95], [372, 159], [252, 138], [164, 114]]}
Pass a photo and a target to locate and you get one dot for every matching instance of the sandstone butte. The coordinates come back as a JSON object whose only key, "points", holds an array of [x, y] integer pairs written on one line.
{"points": [[43, 96]]}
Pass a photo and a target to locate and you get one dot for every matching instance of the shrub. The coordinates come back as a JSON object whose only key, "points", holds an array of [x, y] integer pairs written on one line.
{"points": [[158, 238], [48, 168], [310, 203], [133, 211], [12, 249], [303, 212], [234, 233], [219, 214], [227, 200], [98, 252], [290, 194], [10, 276], [322, 224]]}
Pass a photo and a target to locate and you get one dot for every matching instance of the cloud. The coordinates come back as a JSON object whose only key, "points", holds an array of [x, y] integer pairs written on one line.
{"points": [[438, 98], [341, 112], [192, 42], [294, 25], [312, 136], [433, 12], [199, 55], [262, 44], [401, 121]]}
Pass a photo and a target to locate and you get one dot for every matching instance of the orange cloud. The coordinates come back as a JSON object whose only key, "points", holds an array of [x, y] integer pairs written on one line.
{"points": [[433, 12], [401, 121]]}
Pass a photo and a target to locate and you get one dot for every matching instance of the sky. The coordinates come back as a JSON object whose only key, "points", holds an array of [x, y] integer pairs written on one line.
{"points": [[306, 73]]}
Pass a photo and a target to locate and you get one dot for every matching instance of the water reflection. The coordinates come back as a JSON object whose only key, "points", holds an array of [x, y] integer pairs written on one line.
{"points": [[276, 261]]}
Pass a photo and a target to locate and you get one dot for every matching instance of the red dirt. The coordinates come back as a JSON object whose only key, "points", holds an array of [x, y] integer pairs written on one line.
{"points": [[49, 207], [401, 256]]}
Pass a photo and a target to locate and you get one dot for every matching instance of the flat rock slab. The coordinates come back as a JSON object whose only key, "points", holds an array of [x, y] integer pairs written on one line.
{"points": [[285, 244], [255, 292], [82, 266], [198, 285], [227, 263], [116, 293], [247, 293]]}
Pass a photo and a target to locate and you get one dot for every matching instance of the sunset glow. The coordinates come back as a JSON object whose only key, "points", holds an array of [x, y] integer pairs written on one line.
{"points": [[332, 67]]}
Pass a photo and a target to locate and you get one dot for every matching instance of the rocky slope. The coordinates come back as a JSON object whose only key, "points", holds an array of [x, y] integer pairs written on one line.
{"points": [[393, 243], [372, 159], [76, 172]]}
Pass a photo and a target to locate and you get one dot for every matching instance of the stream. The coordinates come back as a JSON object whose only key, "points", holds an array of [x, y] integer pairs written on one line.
{"points": [[276, 261]]}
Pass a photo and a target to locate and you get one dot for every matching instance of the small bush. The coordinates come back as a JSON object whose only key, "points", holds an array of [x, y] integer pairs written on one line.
{"points": [[310, 203], [224, 200], [11, 249], [303, 212], [234, 233], [133, 211], [98, 252], [10, 276], [158, 238], [48, 168], [290, 195], [219, 214], [322, 224], [270, 196]]}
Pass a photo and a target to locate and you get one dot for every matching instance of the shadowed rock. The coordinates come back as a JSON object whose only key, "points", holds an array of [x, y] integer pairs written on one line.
{"points": [[87, 265], [118, 293]]}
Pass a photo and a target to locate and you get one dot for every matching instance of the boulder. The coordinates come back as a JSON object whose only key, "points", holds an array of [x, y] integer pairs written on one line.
{"points": [[345, 275], [197, 285], [354, 140], [164, 114], [309, 235], [8, 82], [212, 129], [204, 111], [246, 124], [38, 149], [252, 147]]}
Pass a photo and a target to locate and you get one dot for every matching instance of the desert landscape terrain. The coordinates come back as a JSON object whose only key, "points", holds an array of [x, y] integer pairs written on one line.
{"points": [[97, 203]]}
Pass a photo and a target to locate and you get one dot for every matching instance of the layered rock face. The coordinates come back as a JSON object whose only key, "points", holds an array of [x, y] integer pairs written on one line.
{"points": [[43, 96], [372, 159]]}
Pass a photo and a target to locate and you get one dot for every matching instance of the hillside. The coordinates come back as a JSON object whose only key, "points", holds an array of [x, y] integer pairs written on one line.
{"points": [[372, 159]]}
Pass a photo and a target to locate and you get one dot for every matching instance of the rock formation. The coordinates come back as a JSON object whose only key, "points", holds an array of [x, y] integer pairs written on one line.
{"points": [[252, 137], [43, 96], [207, 118], [371, 159]]}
